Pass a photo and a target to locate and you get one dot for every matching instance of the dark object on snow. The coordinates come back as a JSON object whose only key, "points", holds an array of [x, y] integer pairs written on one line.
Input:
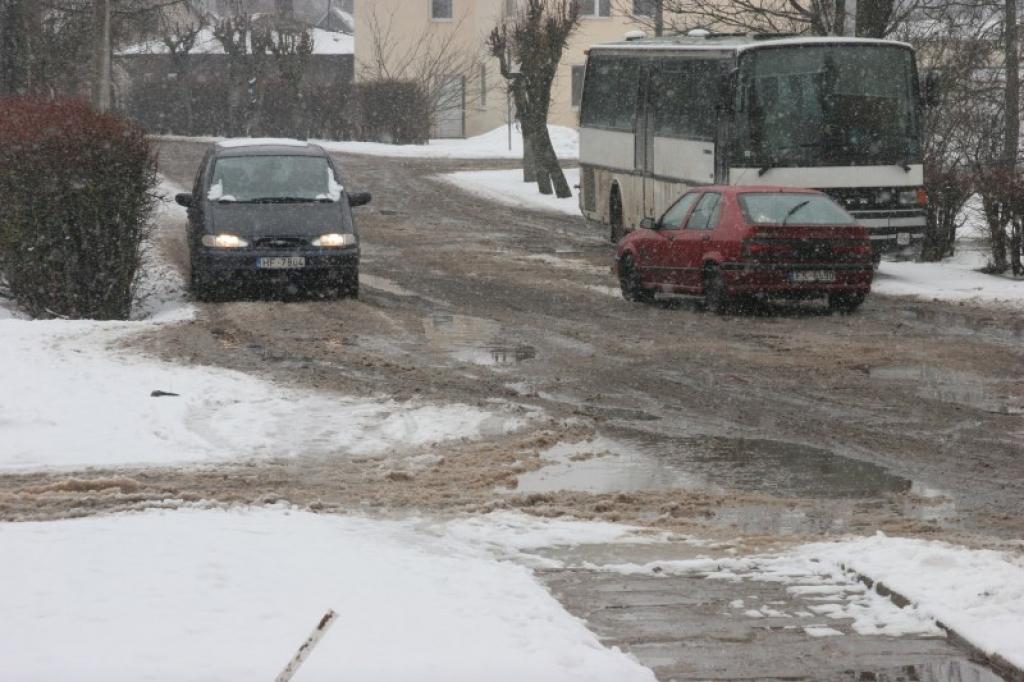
{"points": [[163, 394]]}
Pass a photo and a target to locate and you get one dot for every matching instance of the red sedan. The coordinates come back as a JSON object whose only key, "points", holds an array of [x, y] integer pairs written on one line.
{"points": [[727, 243]]}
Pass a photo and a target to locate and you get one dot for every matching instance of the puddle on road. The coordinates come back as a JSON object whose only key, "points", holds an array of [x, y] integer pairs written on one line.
{"points": [[475, 341], [605, 466], [950, 386], [772, 467]]}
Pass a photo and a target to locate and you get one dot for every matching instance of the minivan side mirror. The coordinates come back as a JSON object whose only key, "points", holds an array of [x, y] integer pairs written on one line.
{"points": [[649, 224], [931, 88], [359, 199], [183, 199]]}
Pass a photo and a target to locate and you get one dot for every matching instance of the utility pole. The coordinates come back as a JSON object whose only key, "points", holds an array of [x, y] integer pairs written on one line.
{"points": [[101, 86], [659, 17], [1012, 101]]}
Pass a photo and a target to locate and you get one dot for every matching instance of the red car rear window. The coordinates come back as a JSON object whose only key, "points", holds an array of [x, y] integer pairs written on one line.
{"points": [[774, 208]]}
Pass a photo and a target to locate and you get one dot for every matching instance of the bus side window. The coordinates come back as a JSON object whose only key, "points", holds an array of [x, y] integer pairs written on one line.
{"points": [[684, 103], [607, 99]]}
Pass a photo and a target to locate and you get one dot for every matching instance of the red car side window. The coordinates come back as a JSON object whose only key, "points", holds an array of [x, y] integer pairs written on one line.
{"points": [[705, 216]]}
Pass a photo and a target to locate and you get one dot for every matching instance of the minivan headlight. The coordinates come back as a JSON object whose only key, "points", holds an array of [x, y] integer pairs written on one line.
{"points": [[335, 240], [224, 241]]}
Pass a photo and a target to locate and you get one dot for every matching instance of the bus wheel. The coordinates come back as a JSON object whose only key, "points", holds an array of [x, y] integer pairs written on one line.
{"points": [[615, 216]]}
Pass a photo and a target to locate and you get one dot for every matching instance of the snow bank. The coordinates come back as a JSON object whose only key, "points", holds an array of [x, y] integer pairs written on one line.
{"points": [[507, 187], [69, 400], [977, 593], [490, 145], [955, 279], [230, 595]]}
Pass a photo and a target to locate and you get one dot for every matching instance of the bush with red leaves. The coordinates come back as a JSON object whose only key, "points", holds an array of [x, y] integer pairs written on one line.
{"points": [[77, 193]]}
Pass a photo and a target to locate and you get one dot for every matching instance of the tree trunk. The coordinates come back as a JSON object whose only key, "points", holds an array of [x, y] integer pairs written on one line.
{"points": [[997, 232], [1012, 103], [529, 163], [548, 166], [659, 17], [101, 73], [873, 17]]}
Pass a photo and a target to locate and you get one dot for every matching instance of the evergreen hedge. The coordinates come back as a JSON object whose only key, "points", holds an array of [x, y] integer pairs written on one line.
{"points": [[76, 193]]}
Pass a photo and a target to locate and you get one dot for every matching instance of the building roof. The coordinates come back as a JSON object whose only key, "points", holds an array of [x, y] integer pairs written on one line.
{"points": [[324, 43]]}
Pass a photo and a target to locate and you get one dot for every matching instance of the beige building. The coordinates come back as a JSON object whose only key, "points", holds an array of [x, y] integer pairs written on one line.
{"points": [[441, 42]]}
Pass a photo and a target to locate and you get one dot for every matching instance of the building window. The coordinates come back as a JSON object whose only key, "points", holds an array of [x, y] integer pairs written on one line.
{"points": [[511, 6], [644, 8], [595, 8], [441, 9], [577, 85]]}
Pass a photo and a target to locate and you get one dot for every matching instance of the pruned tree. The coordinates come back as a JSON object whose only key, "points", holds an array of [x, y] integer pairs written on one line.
{"points": [[434, 61], [534, 39], [180, 39]]}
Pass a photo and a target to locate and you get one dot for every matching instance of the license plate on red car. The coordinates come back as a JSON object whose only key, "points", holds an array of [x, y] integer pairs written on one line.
{"points": [[814, 276], [289, 263]]}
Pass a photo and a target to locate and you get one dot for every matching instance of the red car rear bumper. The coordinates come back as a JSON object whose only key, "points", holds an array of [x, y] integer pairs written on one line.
{"points": [[782, 278]]}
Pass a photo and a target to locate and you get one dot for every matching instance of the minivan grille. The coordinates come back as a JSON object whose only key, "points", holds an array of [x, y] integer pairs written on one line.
{"points": [[281, 242]]}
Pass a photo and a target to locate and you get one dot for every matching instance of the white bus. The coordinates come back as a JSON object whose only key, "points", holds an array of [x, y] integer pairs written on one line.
{"points": [[841, 115]]}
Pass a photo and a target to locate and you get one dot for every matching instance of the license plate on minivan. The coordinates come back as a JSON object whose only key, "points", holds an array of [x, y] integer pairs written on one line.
{"points": [[903, 239], [290, 263], [812, 276]]}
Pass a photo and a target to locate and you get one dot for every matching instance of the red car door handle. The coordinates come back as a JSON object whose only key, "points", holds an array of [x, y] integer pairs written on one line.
{"points": [[706, 238]]}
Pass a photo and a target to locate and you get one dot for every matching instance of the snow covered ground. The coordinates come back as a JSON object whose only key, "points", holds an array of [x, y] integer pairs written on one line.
{"points": [[219, 595], [955, 279], [507, 187], [979, 594], [71, 398], [489, 145]]}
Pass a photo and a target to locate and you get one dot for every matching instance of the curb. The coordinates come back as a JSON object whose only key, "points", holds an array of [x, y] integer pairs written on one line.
{"points": [[998, 664]]}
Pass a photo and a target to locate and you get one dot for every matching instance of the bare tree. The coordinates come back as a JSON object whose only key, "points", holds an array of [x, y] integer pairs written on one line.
{"points": [[434, 61], [180, 39], [535, 38]]}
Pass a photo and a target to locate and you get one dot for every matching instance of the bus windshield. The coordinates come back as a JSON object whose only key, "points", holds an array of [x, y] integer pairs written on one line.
{"points": [[827, 105]]}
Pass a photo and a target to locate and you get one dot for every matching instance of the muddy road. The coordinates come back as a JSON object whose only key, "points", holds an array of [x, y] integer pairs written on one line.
{"points": [[754, 431], [907, 416]]}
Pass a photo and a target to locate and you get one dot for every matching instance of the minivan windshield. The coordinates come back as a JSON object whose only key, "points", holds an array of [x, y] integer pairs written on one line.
{"points": [[776, 208], [273, 179]]}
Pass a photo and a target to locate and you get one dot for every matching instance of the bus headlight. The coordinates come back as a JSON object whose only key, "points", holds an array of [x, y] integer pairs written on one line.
{"points": [[914, 197]]}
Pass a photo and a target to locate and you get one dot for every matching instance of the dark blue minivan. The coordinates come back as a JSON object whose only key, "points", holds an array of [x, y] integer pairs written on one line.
{"points": [[272, 210]]}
